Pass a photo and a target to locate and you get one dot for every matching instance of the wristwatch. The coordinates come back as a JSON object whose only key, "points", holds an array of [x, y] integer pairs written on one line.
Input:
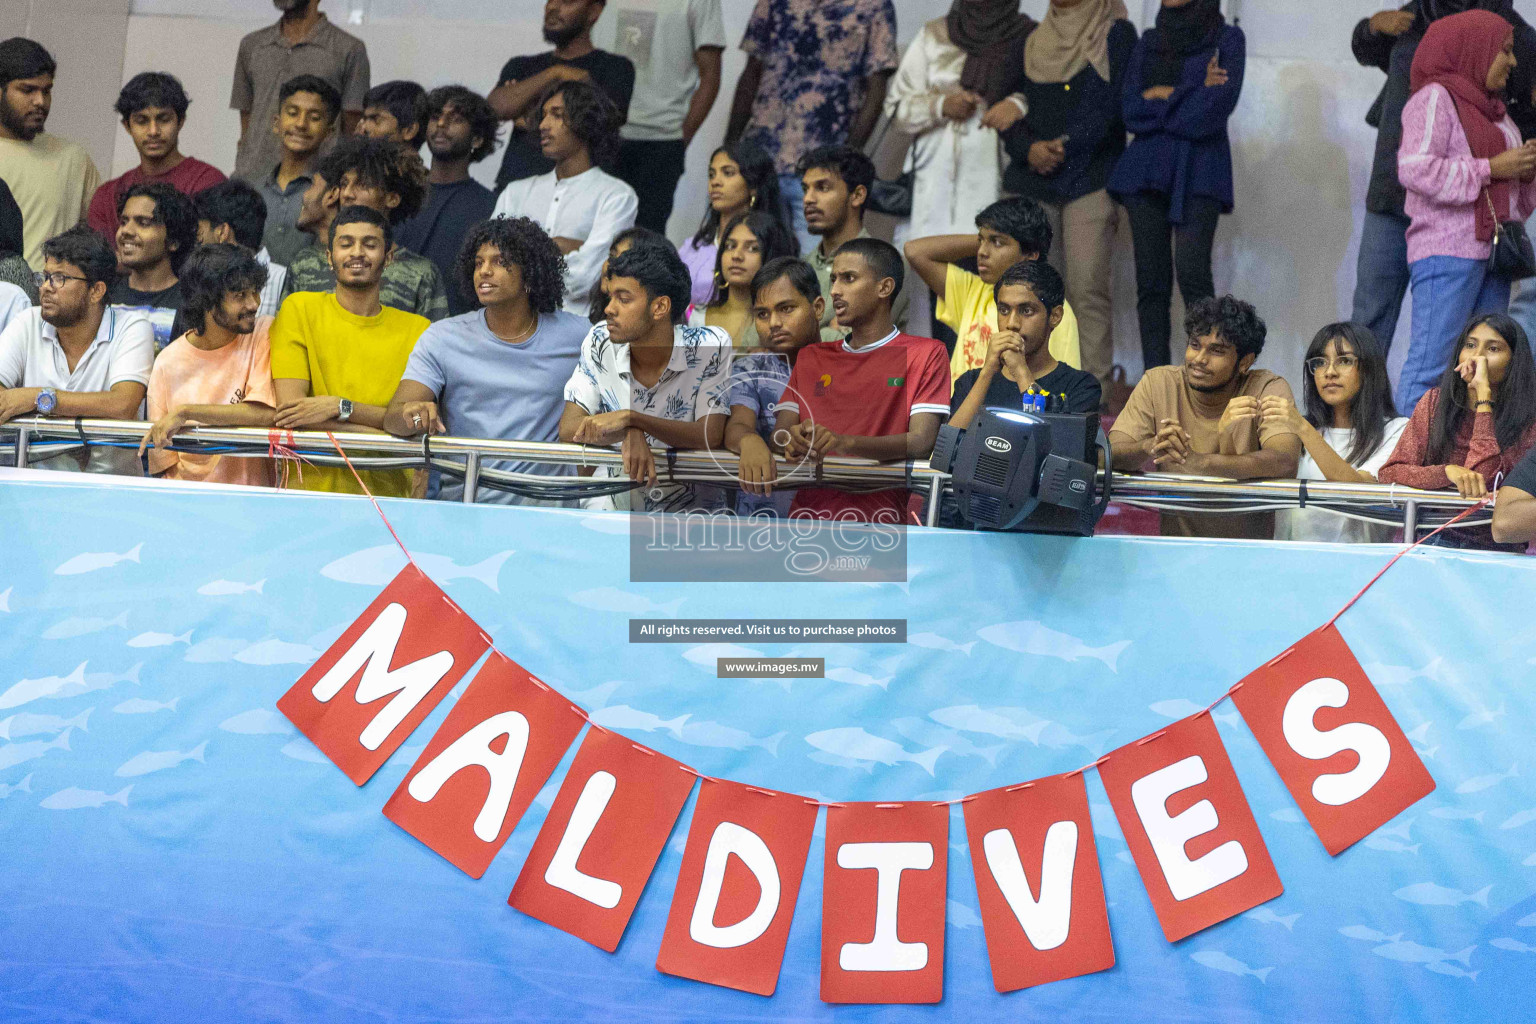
{"points": [[344, 409], [47, 401]]}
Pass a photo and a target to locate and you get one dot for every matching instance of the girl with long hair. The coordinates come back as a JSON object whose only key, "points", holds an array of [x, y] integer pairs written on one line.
{"points": [[1469, 432], [749, 240], [1349, 429], [741, 178]]}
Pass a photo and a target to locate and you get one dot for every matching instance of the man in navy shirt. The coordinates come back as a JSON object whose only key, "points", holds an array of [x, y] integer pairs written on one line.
{"points": [[524, 80]]}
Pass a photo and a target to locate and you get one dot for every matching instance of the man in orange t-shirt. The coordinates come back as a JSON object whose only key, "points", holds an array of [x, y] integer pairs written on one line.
{"points": [[217, 374]]}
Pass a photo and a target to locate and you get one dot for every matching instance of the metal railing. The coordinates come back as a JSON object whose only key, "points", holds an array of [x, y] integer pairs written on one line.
{"points": [[29, 439]]}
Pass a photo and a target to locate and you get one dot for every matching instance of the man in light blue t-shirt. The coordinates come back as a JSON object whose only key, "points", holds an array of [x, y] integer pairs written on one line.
{"points": [[500, 371]]}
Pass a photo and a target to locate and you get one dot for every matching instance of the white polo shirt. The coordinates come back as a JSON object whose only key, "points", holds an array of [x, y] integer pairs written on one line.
{"points": [[123, 350], [13, 302]]}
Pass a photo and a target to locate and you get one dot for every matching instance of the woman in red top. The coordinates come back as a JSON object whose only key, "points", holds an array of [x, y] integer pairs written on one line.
{"points": [[1471, 430]]}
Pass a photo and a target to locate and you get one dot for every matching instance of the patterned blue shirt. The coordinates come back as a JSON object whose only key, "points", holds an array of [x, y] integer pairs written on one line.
{"points": [[758, 380], [694, 385]]}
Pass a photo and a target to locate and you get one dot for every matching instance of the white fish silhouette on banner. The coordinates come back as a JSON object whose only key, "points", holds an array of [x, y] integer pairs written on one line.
{"points": [[622, 717], [1030, 637], [1400, 675], [855, 748], [5, 599], [257, 722], [1183, 707], [159, 760], [714, 734], [24, 724], [376, 566], [1428, 894], [230, 588], [73, 627], [1004, 723], [160, 639], [73, 799], [622, 602], [277, 652], [853, 677], [1265, 915], [1482, 782], [1512, 945], [93, 560], [931, 735], [1368, 934], [19, 753], [934, 642], [24, 786], [1219, 961], [140, 706]]}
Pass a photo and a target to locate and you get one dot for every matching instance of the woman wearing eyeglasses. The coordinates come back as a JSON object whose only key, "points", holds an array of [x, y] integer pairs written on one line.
{"points": [[1349, 430]]}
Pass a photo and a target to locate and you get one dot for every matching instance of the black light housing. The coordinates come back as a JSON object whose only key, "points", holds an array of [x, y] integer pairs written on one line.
{"points": [[1028, 472]]}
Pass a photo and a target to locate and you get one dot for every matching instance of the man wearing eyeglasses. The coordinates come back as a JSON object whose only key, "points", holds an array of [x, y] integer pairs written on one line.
{"points": [[74, 355]]}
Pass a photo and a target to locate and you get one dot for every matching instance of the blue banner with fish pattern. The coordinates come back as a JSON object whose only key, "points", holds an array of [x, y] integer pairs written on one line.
{"points": [[172, 850]]}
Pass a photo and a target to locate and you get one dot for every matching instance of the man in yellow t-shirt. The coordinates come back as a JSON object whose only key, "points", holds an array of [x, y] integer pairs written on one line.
{"points": [[338, 356], [1008, 231]]}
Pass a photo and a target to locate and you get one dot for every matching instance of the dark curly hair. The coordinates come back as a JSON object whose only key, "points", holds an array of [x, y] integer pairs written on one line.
{"points": [[474, 108], [81, 247], [591, 117], [238, 204], [314, 84], [520, 241], [1233, 320], [212, 272], [379, 164], [597, 311], [406, 103], [1021, 219], [1039, 277], [152, 89], [849, 164], [173, 210]]}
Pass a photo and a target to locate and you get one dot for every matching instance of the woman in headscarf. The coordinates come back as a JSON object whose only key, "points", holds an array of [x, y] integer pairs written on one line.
{"points": [[1387, 41], [1065, 147], [1465, 170], [1175, 178], [953, 92]]}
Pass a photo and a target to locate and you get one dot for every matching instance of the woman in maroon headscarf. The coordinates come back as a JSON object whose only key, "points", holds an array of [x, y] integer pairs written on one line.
{"points": [[1465, 170]]}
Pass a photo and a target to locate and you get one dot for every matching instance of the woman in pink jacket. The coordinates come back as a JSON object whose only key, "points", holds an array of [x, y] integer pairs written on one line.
{"points": [[1465, 170]]}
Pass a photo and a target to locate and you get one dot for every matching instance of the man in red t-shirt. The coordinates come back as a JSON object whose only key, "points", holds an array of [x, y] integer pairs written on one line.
{"points": [[877, 394], [153, 107]]}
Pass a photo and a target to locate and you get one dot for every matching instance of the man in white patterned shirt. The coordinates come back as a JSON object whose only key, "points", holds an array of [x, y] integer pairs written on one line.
{"points": [[233, 211], [643, 378], [578, 204]]}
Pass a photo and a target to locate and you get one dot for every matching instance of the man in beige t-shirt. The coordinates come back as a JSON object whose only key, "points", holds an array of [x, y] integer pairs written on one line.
{"points": [[217, 374], [52, 179], [1202, 418]]}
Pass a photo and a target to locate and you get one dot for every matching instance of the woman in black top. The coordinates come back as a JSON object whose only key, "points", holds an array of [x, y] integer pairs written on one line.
{"points": [[1066, 146]]}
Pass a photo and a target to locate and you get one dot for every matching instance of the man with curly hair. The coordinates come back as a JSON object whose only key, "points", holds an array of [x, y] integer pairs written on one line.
{"points": [[1202, 418], [156, 232], [383, 177], [578, 204], [461, 130], [217, 374], [153, 106], [497, 372]]}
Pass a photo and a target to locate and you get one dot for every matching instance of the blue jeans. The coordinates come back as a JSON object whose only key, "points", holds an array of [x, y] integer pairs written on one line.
{"points": [[1381, 276], [1522, 304], [794, 198], [1447, 292]]}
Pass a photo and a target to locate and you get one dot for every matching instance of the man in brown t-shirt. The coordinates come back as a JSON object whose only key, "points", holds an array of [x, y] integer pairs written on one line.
{"points": [[1202, 418]]}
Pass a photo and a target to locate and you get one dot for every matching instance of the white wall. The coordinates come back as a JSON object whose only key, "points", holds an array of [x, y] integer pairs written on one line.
{"points": [[1302, 150]]}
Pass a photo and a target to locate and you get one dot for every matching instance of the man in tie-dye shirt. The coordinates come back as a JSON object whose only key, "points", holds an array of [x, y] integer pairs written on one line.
{"points": [[816, 76]]}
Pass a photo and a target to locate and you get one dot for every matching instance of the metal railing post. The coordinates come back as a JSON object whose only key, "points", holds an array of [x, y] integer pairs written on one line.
{"points": [[935, 496], [1410, 521], [471, 477], [23, 437]]}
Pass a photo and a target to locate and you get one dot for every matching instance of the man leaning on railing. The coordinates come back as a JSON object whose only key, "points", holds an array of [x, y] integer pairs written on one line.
{"points": [[74, 355]]}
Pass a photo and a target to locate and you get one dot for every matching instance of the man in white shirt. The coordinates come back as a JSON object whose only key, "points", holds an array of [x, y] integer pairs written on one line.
{"points": [[233, 211], [74, 355], [578, 204], [643, 378], [52, 179], [675, 46], [13, 302]]}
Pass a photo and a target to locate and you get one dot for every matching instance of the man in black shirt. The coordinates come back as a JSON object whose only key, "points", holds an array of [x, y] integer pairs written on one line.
{"points": [[1020, 372], [156, 232], [461, 130], [524, 80]]}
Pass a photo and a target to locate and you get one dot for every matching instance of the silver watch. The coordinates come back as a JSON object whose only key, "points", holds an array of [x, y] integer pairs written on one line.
{"points": [[344, 409]]}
